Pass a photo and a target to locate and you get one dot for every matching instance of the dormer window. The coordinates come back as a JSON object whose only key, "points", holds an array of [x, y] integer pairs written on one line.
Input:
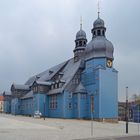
{"points": [[50, 72], [35, 89], [60, 75], [37, 77], [41, 88], [60, 85], [55, 85]]}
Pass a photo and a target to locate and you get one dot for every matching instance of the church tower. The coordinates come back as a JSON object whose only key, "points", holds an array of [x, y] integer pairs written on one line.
{"points": [[99, 77], [80, 44], [100, 46]]}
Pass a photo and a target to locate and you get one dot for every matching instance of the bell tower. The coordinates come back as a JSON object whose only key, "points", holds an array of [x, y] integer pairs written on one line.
{"points": [[80, 43]]}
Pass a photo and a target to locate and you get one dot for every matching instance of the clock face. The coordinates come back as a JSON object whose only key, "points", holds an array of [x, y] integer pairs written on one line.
{"points": [[109, 63]]}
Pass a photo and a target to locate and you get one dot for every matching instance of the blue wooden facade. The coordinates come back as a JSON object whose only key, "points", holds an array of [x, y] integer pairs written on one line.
{"points": [[15, 106], [82, 87], [7, 106]]}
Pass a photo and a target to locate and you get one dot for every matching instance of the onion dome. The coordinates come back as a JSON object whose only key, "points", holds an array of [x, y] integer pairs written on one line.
{"points": [[100, 47], [81, 34], [98, 23]]}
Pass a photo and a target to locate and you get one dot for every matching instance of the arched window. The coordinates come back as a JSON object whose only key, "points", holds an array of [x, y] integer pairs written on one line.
{"points": [[98, 32], [80, 43], [76, 43], [103, 32]]}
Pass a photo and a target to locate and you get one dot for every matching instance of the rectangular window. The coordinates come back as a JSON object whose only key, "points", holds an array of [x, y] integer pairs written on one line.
{"points": [[53, 102], [55, 85], [83, 96], [41, 88], [98, 32], [70, 105], [35, 89], [70, 95], [60, 85]]}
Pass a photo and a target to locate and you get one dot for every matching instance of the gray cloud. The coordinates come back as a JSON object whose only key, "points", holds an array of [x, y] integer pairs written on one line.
{"points": [[35, 35]]}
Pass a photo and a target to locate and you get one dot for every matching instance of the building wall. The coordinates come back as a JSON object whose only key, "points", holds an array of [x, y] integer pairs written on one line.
{"points": [[15, 106], [40, 101], [1, 106], [136, 113], [108, 93], [27, 106], [101, 83], [68, 105], [57, 110], [7, 106], [82, 105], [90, 78]]}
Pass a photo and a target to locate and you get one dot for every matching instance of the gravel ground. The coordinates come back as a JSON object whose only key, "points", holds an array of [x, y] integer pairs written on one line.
{"points": [[28, 128]]}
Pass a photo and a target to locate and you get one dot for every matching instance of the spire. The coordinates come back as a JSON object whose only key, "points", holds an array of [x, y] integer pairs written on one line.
{"points": [[81, 23], [98, 8]]}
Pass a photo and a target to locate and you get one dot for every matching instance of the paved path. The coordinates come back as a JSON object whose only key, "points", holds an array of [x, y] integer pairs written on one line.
{"points": [[116, 138], [28, 128]]}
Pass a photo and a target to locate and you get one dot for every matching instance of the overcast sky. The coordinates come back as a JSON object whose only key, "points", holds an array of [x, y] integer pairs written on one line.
{"points": [[38, 34]]}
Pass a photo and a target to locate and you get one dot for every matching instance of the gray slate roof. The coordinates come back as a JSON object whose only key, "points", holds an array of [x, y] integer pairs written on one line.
{"points": [[68, 70], [99, 47], [68, 73], [6, 93], [28, 95], [80, 89], [43, 83], [22, 87], [46, 75]]}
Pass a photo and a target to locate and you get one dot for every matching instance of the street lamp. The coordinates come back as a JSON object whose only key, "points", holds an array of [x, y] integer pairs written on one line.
{"points": [[126, 110], [138, 114]]}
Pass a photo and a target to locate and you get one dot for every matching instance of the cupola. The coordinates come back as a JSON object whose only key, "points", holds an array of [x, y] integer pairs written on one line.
{"points": [[80, 44], [99, 46]]}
